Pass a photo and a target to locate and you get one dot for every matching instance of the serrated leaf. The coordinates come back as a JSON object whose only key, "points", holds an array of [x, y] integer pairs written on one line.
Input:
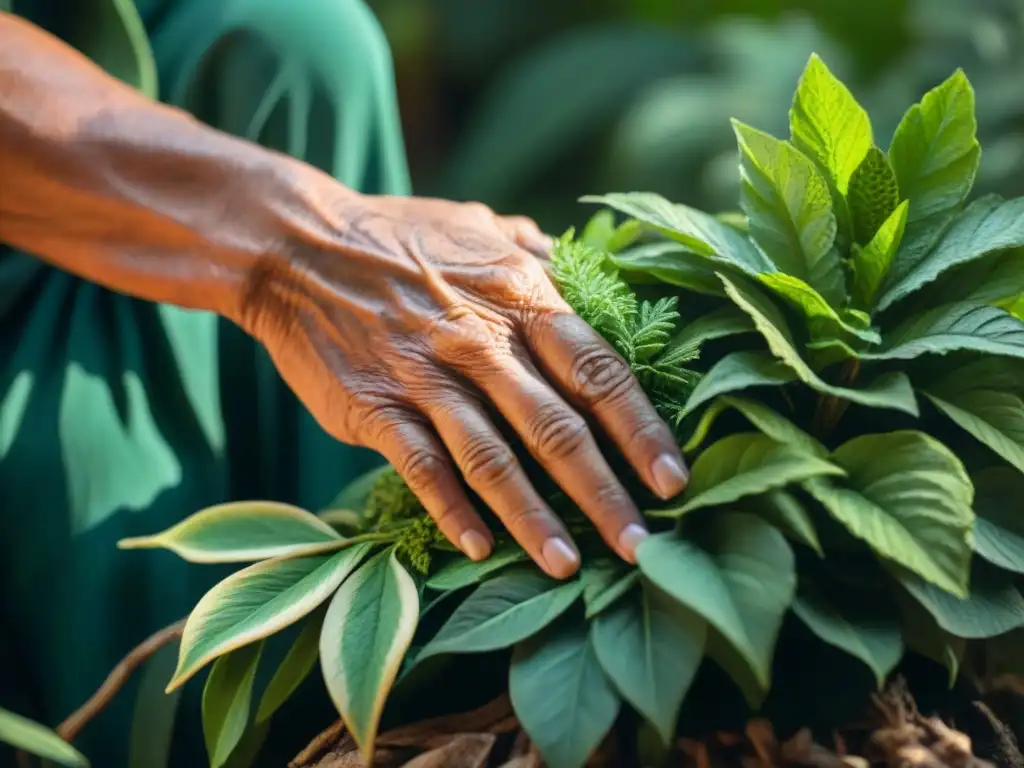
{"points": [[738, 371], [722, 322], [863, 623], [258, 601], [651, 647], [745, 464], [368, 628], [698, 231], [874, 194], [788, 204], [994, 418], [227, 697], [909, 498], [993, 607], [560, 694], [783, 510], [741, 578], [27, 735], [871, 263], [935, 151], [988, 225], [242, 532], [888, 391], [605, 580], [292, 671], [463, 572], [993, 279], [503, 611], [951, 328], [822, 319], [999, 525]]}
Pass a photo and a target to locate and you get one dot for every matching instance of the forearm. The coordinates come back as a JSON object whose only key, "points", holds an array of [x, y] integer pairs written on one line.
{"points": [[139, 197]]}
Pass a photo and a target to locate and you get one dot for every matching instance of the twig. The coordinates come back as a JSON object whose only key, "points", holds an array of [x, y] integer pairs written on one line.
{"points": [[116, 680]]}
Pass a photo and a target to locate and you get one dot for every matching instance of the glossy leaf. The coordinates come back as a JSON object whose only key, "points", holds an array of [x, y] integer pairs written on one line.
{"points": [[952, 328], [771, 423], [605, 580], [27, 735], [871, 263], [783, 510], [367, 630], [673, 264], [257, 602], [651, 647], [909, 498], [999, 526], [736, 372], [873, 196], [227, 698], [562, 697], [924, 636], [463, 572], [292, 671], [992, 417], [821, 317], [242, 532], [722, 322]]}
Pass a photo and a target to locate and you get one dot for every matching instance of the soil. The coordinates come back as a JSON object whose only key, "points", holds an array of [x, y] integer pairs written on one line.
{"points": [[983, 729]]}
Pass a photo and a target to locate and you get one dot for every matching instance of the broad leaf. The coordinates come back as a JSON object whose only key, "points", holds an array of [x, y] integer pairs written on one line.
{"points": [[775, 426], [992, 417], [605, 580], [227, 698], [924, 636], [651, 647], [909, 498], [736, 372], [822, 319], [671, 263], [993, 279], [561, 695], [463, 572], [864, 623], [242, 532], [292, 671], [783, 510], [989, 224], [367, 631], [999, 526], [951, 328], [871, 263], [788, 205], [503, 611], [257, 602], [935, 150], [889, 391], [873, 196], [27, 735], [725, 321], [700, 232], [741, 578], [745, 464]]}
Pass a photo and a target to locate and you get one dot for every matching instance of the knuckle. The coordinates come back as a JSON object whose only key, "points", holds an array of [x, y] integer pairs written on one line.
{"points": [[421, 467], [525, 518], [449, 517], [487, 463], [478, 210], [557, 432], [600, 376]]}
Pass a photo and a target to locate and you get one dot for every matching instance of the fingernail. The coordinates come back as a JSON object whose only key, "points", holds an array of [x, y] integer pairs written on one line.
{"points": [[561, 559], [630, 539], [670, 476], [474, 544]]}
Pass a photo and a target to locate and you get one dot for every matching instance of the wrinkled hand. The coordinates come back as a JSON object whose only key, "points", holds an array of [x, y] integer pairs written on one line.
{"points": [[425, 311]]}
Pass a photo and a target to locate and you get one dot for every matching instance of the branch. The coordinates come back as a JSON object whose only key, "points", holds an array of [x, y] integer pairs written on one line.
{"points": [[116, 680]]}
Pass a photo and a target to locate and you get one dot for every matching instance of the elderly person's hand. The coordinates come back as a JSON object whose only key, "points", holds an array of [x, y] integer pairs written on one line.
{"points": [[399, 322]]}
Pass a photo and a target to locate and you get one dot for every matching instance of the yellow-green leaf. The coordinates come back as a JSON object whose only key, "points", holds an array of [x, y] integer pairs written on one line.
{"points": [[28, 735], [822, 318], [242, 532], [257, 602], [871, 263], [873, 196]]}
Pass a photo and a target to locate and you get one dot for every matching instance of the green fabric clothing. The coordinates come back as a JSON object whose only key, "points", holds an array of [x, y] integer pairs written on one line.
{"points": [[118, 417]]}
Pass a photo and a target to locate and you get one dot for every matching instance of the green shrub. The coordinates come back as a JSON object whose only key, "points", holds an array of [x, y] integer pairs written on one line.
{"points": [[848, 382]]}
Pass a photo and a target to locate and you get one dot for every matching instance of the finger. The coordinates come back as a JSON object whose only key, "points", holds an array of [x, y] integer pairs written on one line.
{"points": [[492, 470], [418, 456], [525, 233], [561, 441], [596, 378]]}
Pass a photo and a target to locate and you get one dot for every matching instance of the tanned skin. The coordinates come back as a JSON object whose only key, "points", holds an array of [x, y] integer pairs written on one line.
{"points": [[399, 322]]}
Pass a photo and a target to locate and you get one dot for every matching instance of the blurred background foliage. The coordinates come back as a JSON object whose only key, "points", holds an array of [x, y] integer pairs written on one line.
{"points": [[528, 104]]}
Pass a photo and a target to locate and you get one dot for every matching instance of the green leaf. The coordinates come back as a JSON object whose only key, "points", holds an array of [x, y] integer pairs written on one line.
{"points": [[935, 151], [599, 230], [503, 611], [154, 713], [828, 125], [951, 328], [871, 263], [242, 532], [258, 601], [725, 321], [999, 526], [992, 279], [700, 232], [861, 622], [736, 372], [994, 418], [873, 196], [741, 578], [368, 628], [561, 695], [783, 510], [745, 464], [651, 647], [908, 497], [822, 319], [993, 607], [671, 263], [891, 390], [605, 580], [29, 736], [788, 203], [292, 671], [227, 697], [778, 428], [924, 636], [988, 225], [463, 572]]}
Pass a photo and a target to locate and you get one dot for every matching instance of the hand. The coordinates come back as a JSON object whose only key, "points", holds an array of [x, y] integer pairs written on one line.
{"points": [[397, 335]]}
